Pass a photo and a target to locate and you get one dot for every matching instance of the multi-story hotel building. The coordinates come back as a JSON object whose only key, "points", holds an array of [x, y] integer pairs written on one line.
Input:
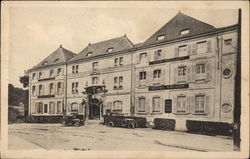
{"points": [[185, 70]]}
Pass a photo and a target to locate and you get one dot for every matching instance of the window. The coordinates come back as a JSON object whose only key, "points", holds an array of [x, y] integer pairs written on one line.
{"points": [[56, 60], [181, 104], [44, 63], [52, 108], [227, 73], [118, 61], [121, 61], [59, 71], [182, 50], [40, 89], [161, 37], [74, 106], [143, 57], [59, 88], [51, 88], [185, 31], [200, 72], [141, 104], [142, 75], [117, 106], [201, 47], [94, 65], [75, 69], [33, 90], [157, 74], [118, 82], [40, 74], [75, 88], [109, 49], [157, 54], [33, 76], [51, 73], [199, 104], [168, 106], [59, 107], [89, 54], [94, 80], [228, 42], [45, 108], [156, 104], [182, 73], [40, 108]]}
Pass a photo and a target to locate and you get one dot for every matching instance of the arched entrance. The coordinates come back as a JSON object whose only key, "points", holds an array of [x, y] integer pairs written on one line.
{"points": [[95, 107]]}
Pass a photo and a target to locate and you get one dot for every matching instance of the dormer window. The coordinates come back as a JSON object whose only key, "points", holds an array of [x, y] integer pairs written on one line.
{"points": [[110, 49], [44, 63], [184, 32], [89, 54], [161, 37], [56, 60]]}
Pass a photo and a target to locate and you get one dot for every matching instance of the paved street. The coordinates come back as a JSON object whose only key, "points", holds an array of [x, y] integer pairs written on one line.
{"points": [[94, 136]]}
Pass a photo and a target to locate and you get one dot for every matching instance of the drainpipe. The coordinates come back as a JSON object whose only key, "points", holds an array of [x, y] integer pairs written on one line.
{"points": [[66, 88]]}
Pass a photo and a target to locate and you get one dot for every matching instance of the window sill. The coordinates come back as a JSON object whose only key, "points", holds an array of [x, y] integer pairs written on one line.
{"points": [[199, 113], [155, 113], [179, 113], [142, 86], [141, 113]]}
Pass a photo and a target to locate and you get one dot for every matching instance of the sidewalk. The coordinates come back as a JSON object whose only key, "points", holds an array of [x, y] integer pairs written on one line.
{"points": [[16, 142]]}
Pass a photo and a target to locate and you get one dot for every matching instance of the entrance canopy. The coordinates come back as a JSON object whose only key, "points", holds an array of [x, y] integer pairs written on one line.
{"points": [[95, 89]]}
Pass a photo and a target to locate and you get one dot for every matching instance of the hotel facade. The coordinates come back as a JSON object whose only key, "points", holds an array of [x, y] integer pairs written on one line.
{"points": [[185, 70]]}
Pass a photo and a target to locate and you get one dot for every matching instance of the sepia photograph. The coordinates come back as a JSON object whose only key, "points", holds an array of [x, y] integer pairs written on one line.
{"points": [[124, 79]]}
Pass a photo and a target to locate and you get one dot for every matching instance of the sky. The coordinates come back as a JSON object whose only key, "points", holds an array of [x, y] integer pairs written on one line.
{"points": [[35, 32]]}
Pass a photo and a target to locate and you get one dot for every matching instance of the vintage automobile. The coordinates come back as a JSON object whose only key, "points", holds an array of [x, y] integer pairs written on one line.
{"points": [[120, 120], [74, 119]]}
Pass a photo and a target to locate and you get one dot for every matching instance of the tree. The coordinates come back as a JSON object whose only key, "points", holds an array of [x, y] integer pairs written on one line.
{"points": [[24, 80]]}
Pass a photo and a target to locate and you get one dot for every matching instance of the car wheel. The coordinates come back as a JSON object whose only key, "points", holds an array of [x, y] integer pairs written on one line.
{"points": [[131, 125], [124, 123], [77, 124], [111, 124]]}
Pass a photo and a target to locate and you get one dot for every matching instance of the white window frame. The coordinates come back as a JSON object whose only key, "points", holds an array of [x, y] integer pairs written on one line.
{"points": [[183, 50], [33, 90], [157, 54], [142, 104], [143, 76], [156, 104], [59, 71], [94, 65], [200, 72], [182, 74], [40, 89], [201, 47], [143, 57], [161, 37], [117, 106], [59, 106], [181, 104], [185, 31], [52, 105], [199, 104]]}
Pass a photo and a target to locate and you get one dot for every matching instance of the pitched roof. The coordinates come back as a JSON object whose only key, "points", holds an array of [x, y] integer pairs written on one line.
{"points": [[101, 48], [178, 23], [60, 55]]}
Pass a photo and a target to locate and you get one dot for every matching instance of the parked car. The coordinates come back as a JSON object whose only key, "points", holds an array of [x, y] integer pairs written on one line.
{"points": [[120, 120], [73, 119]]}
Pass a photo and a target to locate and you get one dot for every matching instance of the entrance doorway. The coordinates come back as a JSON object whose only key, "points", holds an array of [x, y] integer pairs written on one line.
{"points": [[95, 106]]}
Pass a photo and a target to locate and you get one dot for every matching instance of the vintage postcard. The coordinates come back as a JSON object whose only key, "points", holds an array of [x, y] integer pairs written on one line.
{"points": [[125, 79]]}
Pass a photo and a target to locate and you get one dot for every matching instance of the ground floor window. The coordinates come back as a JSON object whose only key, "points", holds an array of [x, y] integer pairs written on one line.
{"points": [[156, 104], [199, 103], [39, 108], [51, 107], [59, 107], [74, 107], [117, 106], [45, 108], [142, 104], [181, 104]]}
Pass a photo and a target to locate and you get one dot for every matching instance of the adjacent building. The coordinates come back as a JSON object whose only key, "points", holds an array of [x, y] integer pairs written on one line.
{"points": [[185, 70]]}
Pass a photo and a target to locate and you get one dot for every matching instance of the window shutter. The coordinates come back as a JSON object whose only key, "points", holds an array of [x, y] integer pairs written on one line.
{"points": [[149, 57], [193, 73], [175, 52], [137, 79], [209, 47], [174, 106], [62, 85], [188, 75], [147, 105], [192, 104], [163, 76], [149, 77], [189, 49], [138, 58], [208, 70], [187, 105], [175, 74], [193, 48], [136, 104], [207, 104]]}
